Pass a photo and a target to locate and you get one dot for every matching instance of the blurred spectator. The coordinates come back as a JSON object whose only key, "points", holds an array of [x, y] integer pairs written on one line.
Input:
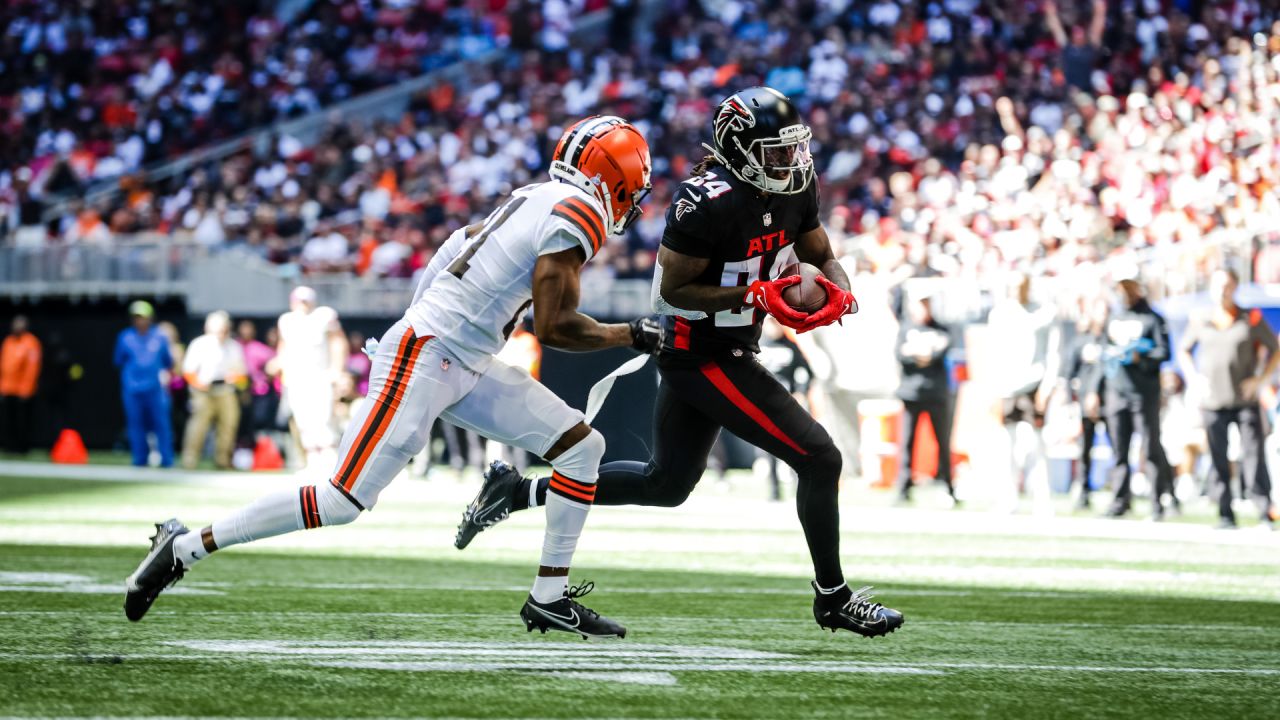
{"points": [[358, 363], [59, 375], [213, 367], [1137, 343], [1228, 342], [925, 389], [174, 381], [27, 214], [261, 400], [311, 357], [1021, 330], [1082, 375], [1182, 433], [1079, 51], [20, 363], [142, 354]]}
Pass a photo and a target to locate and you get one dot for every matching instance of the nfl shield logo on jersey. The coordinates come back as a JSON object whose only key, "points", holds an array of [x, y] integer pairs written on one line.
{"points": [[768, 219], [444, 363]]}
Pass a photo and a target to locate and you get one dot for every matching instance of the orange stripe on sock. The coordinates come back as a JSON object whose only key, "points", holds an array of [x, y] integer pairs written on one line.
{"points": [[572, 492], [578, 484]]}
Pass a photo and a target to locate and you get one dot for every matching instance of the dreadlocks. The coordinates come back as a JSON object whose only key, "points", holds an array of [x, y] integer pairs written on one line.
{"points": [[704, 165]]}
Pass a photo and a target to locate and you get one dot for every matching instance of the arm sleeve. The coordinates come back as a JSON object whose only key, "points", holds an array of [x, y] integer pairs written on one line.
{"points": [[689, 224]]}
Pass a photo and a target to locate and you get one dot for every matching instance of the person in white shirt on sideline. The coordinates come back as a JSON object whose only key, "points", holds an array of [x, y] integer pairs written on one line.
{"points": [[213, 367], [311, 358]]}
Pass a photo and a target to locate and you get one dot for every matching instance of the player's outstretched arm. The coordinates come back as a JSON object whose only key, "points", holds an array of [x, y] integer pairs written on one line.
{"points": [[556, 319]]}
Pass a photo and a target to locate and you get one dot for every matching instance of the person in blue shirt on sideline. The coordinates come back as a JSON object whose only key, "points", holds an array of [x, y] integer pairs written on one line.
{"points": [[142, 352]]}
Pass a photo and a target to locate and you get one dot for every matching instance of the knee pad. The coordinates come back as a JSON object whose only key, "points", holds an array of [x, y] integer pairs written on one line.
{"points": [[582, 461], [333, 507]]}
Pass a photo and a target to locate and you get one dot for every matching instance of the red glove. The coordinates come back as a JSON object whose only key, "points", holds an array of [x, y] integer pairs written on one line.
{"points": [[766, 295], [840, 302]]}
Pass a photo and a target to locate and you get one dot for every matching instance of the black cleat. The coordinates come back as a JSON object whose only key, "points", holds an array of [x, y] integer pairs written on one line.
{"points": [[568, 615], [854, 611], [1118, 509], [492, 505], [159, 569]]}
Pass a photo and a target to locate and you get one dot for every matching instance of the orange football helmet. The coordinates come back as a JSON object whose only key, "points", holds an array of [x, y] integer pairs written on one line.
{"points": [[609, 158]]}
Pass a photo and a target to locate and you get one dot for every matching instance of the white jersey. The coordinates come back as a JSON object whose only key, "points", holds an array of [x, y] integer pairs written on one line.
{"points": [[480, 282], [305, 340]]}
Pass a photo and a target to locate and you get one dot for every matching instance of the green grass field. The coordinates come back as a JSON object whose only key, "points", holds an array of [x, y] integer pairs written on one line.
{"points": [[1007, 616]]}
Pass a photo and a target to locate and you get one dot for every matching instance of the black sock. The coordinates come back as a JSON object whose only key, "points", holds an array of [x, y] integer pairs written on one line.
{"points": [[521, 499], [817, 505]]}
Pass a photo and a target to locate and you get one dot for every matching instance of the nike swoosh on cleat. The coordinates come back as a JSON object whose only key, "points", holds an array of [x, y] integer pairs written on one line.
{"points": [[570, 620], [480, 516]]}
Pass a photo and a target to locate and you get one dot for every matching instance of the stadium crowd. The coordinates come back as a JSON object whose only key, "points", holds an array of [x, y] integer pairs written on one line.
{"points": [[952, 137], [92, 90]]}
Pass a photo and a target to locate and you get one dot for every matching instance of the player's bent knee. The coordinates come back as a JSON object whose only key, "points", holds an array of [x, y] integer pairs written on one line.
{"points": [[670, 488], [581, 461], [823, 462], [334, 507]]}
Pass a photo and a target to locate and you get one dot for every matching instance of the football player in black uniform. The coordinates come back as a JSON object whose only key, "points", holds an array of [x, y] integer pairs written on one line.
{"points": [[750, 210]]}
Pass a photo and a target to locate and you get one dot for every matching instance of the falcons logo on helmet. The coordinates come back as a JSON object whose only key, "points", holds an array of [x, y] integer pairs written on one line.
{"points": [[733, 115]]}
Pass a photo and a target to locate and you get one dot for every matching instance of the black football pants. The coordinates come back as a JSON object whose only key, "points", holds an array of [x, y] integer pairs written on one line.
{"points": [[939, 411], [1124, 417], [1253, 464], [700, 395]]}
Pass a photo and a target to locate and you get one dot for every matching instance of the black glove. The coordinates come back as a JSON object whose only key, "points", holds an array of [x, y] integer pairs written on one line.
{"points": [[646, 335]]}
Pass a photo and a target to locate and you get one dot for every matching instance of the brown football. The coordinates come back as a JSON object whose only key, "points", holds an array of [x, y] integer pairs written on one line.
{"points": [[807, 295]]}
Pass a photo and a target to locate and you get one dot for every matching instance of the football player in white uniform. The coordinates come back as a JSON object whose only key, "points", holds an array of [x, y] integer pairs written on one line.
{"points": [[438, 361], [312, 356]]}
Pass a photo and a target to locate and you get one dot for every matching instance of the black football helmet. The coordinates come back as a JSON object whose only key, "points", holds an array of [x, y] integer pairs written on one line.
{"points": [[758, 135]]}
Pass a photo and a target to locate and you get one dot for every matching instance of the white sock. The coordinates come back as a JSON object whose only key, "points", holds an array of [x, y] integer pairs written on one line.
{"points": [[565, 519], [549, 589], [189, 548], [268, 516]]}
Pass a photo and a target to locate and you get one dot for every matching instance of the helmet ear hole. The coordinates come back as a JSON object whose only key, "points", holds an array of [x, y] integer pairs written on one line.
{"points": [[622, 195]]}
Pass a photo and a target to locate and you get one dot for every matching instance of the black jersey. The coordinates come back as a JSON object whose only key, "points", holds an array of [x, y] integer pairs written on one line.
{"points": [[747, 235]]}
